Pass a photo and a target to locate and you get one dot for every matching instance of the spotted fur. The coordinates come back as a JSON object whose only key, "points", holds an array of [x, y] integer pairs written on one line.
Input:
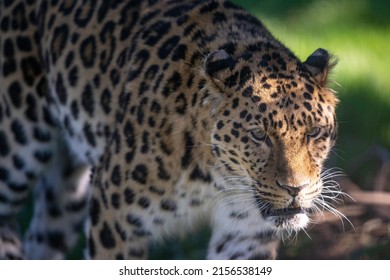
{"points": [[159, 116]]}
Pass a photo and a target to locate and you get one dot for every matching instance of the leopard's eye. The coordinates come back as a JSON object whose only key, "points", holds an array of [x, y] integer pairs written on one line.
{"points": [[258, 135], [314, 132]]}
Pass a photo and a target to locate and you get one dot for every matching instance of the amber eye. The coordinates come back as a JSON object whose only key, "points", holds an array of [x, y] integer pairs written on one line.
{"points": [[258, 135], [314, 132]]}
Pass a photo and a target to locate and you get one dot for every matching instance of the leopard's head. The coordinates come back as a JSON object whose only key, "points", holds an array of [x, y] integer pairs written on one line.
{"points": [[274, 125]]}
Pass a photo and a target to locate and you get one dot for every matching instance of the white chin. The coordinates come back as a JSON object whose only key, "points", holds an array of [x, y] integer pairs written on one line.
{"points": [[289, 222]]}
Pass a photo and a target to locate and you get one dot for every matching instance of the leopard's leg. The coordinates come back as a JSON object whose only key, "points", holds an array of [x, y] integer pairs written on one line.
{"points": [[19, 170], [115, 236], [115, 229], [14, 191], [10, 245], [61, 206], [25, 126], [240, 232], [20, 167]]}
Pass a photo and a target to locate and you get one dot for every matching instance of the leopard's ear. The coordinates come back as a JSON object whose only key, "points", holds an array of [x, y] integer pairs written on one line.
{"points": [[218, 65], [319, 64]]}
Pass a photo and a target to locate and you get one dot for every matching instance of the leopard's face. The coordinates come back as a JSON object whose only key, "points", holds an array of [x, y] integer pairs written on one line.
{"points": [[273, 131]]}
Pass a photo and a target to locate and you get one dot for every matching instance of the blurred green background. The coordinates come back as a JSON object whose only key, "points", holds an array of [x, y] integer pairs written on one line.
{"points": [[357, 32]]}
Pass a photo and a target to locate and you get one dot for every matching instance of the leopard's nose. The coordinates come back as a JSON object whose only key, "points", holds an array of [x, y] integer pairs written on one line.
{"points": [[292, 190]]}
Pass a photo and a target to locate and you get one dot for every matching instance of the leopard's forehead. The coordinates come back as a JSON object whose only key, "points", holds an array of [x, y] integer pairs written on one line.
{"points": [[282, 100], [293, 100], [271, 83]]}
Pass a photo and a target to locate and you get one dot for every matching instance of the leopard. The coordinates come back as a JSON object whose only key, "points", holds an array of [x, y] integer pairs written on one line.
{"points": [[137, 121]]}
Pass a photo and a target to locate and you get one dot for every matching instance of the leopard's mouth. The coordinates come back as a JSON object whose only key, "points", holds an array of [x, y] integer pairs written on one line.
{"points": [[289, 211], [292, 217], [288, 218]]}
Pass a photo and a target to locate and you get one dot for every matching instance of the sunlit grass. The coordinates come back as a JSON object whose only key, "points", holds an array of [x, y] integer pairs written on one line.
{"points": [[361, 52]]}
